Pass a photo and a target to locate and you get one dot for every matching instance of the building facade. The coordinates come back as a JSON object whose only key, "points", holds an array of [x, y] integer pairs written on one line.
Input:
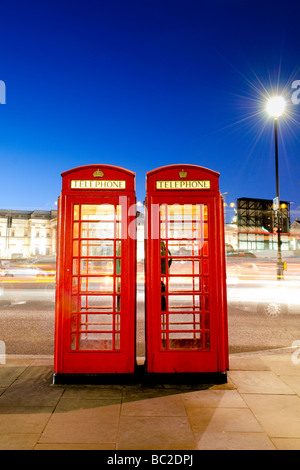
{"points": [[257, 224], [24, 234]]}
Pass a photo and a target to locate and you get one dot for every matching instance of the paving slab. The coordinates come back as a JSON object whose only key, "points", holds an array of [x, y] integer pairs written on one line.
{"points": [[285, 363], [286, 444], [259, 382], [8, 375], [155, 406], [292, 382], [279, 415], [213, 399], [233, 441], [223, 420], [30, 393], [155, 433], [23, 420], [247, 362], [83, 421], [18, 441]]}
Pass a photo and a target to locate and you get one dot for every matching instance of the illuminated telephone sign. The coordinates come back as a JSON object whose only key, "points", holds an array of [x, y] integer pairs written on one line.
{"points": [[95, 299], [186, 307]]}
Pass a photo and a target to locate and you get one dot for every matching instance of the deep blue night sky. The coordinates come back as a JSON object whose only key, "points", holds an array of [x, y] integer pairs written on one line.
{"points": [[146, 83]]}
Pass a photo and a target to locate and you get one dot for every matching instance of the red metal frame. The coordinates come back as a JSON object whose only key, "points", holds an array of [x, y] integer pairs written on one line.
{"points": [[96, 272], [186, 307]]}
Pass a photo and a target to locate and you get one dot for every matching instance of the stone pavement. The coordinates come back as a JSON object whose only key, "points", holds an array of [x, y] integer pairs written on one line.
{"points": [[257, 409]]}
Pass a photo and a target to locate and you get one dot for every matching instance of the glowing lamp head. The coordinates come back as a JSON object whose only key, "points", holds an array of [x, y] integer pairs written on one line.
{"points": [[276, 106]]}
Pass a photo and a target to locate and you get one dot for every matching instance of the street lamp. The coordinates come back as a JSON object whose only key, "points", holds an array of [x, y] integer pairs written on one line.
{"points": [[275, 108]]}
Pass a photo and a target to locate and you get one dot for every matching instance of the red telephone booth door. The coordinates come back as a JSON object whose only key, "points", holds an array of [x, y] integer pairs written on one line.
{"points": [[186, 325], [95, 305]]}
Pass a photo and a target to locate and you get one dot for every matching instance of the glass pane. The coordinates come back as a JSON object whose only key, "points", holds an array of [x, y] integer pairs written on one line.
{"points": [[76, 212], [96, 322], [95, 302], [178, 284], [184, 247], [75, 248], [189, 230], [97, 230], [95, 341], [117, 341], [75, 230], [184, 266], [184, 322], [176, 341], [74, 285], [184, 302], [97, 248], [98, 212], [96, 266], [97, 284], [75, 266]]}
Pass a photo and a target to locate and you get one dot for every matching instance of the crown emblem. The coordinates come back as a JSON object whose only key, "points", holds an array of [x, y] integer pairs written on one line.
{"points": [[182, 174], [98, 173]]}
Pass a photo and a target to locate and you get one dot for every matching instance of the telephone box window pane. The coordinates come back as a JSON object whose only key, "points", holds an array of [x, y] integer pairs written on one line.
{"points": [[184, 302], [179, 284], [98, 212], [95, 302], [97, 230], [97, 248], [205, 285], [205, 230], [75, 230], [96, 267], [118, 267], [96, 322], [95, 341], [184, 322], [184, 247], [74, 285], [206, 303], [205, 248], [117, 341], [205, 267], [189, 230], [73, 322], [117, 322], [97, 284], [207, 340], [118, 285], [76, 212], [187, 341], [73, 342], [184, 266], [75, 248], [75, 266]]}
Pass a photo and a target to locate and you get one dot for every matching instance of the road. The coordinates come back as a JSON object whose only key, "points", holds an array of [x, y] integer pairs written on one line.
{"points": [[27, 325], [262, 313]]}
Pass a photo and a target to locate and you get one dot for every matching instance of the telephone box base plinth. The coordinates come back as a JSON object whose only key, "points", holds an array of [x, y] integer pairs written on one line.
{"points": [[94, 379], [143, 378]]}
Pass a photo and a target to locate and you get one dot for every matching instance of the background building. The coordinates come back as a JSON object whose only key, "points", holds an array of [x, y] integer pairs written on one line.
{"points": [[25, 234], [257, 224]]}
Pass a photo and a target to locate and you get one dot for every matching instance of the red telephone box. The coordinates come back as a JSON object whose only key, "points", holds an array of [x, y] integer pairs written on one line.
{"points": [[186, 306], [96, 273]]}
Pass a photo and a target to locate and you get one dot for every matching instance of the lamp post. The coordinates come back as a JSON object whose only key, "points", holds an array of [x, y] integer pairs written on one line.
{"points": [[275, 108]]}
